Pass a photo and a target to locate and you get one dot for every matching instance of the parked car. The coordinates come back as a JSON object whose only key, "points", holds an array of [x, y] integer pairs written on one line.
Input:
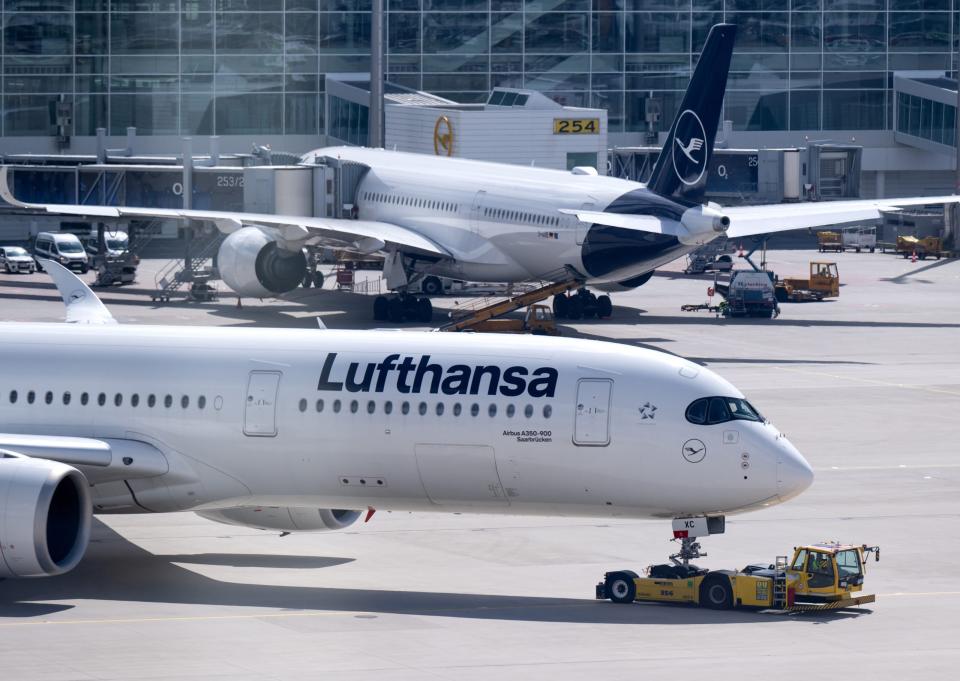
{"points": [[62, 247], [16, 259]]}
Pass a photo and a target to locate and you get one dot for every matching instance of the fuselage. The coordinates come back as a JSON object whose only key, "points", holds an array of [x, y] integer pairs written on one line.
{"points": [[394, 420], [504, 222]]}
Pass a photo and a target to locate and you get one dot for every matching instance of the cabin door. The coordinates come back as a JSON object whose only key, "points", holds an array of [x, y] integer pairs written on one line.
{"points": [[260, 410], [592, 421]]}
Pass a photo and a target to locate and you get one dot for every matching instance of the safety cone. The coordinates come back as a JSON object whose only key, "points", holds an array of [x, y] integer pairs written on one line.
{"points": [[913, 258]]}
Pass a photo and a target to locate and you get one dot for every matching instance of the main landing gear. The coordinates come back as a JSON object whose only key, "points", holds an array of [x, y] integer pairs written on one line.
{"points": [[402, 308], [582, 304]]}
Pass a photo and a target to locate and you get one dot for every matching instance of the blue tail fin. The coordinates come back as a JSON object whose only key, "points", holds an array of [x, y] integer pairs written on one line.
{"points": [[681, 169]]}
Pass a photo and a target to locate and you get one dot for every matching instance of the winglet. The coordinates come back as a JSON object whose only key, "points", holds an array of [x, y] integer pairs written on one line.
{"points": [[83, 306]]}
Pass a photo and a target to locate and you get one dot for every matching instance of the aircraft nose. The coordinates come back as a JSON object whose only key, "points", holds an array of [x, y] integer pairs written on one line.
{"points": [[794, 474]]}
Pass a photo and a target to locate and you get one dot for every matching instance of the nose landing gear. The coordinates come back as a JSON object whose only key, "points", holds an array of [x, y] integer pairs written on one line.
{"points": [[402, 308], [582, 304]]}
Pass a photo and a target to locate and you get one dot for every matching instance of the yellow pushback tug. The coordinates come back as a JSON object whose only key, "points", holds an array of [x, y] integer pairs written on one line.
{"points": [[825, 576]]}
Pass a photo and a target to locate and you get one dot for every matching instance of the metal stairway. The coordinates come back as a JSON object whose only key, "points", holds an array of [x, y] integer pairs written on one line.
{"points": [[780, 583], [193, 270]]}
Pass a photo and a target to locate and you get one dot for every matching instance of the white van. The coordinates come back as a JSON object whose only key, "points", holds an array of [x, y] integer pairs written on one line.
{"points": [[62, 247], [115, 243]]}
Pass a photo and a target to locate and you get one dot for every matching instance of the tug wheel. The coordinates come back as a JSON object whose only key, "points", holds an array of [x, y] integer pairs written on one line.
{"points": [[620, 587], [715, 593]]}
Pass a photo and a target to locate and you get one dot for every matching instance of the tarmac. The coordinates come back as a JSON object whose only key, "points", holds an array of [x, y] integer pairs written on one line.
{"points": [[867, 386]]}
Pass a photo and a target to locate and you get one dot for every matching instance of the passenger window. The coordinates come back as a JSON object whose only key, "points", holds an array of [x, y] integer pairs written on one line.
{"points": [[697, 411], [134, 400], [184, 402], [439, 408], [528, 411], [474, 409], [457, 408], [303, 405], [547, 411], [371, 407], [168, 401], [492, 410], [422, 408], [354, 406], [717, 411], [336, 406], [13, 397], [151, 401], [319, 406], [117, 400], [511, 410], [201, 402], [48, 398], [102, 399], [388, 407], [31, 396], [405, 408], [84, 398]]}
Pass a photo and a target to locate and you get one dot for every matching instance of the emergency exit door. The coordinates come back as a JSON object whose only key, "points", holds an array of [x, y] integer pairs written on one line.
{"points": [[260, 410], [592, 426]]}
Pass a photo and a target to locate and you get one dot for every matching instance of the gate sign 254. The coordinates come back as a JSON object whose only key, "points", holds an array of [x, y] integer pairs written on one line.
{"points": [[576, 126]]}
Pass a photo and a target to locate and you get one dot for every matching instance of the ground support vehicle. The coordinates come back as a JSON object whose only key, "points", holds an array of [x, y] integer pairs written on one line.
{"points": [[748, 293], [823, 282], [824, 576], [859, 239], [907, 246], [829, 241], [538, 320], [469, 316], [115, 270]]}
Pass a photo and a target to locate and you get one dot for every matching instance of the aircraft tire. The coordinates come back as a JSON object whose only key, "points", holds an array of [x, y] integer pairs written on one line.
{"points": [[306, 281], [561, 305], [424, 310], [715, 592], [432, 286], [395, 310], [604, 307], [620, 586], [380, 308], [318, 279], [574, 308]]}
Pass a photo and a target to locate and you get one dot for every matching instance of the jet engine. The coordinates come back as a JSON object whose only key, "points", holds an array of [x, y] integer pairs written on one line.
{"points": [[627, 285], [284, 518], [253, 263], [45, 517]]}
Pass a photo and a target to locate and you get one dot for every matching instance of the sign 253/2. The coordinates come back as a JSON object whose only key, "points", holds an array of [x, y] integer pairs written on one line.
{"points": [[576, 126]]}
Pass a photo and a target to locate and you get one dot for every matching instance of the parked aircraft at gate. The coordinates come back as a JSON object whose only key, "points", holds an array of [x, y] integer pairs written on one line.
{"points": [[304, 430], [505, 223]]}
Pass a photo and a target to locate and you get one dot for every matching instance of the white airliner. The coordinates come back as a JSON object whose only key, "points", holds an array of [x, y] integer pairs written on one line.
{"points": [[305, 430], [434, 216]]}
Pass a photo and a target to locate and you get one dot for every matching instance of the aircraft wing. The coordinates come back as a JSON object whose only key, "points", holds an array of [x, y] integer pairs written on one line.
{"points": [[102, 460], [783, 217], [364, 236]]}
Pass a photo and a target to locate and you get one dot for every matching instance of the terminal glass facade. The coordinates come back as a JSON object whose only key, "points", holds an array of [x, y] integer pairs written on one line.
{"points": [[253, 67]]}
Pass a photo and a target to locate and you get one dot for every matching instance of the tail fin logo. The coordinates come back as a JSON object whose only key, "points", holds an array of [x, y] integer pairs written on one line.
{"points": [[696, 144], [690, 158]]}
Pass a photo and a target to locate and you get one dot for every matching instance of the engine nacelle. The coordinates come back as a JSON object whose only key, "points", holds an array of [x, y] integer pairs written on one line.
{"points": [[253, 264], [628, 285], [45, 517], [284, 518]]}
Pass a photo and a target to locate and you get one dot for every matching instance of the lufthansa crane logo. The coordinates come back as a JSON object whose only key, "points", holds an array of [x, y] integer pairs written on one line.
{"points": [[443, 137], [694, 450], [689, 152]]}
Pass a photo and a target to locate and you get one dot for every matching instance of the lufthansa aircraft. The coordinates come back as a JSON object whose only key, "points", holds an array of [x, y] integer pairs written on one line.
{"points": [[434, 216], [306, 430]]}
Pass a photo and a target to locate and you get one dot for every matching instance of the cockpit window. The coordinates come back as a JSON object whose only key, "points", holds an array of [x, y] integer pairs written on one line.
{"points": [[709, 411]]}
